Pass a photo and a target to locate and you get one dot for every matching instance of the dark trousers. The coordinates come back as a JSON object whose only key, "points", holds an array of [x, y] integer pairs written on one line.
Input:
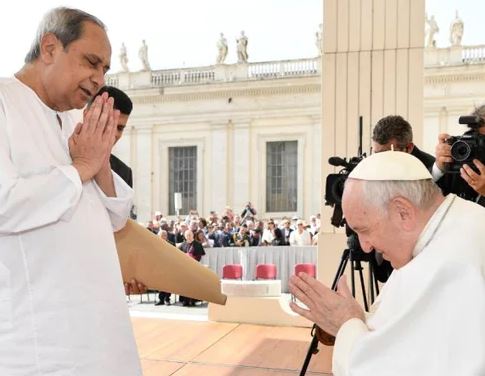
{"points": [[187, 301], [164, 296]]}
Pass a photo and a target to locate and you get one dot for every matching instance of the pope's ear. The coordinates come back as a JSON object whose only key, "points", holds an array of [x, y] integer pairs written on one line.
{"points": [[404, 211], [49, 45]]}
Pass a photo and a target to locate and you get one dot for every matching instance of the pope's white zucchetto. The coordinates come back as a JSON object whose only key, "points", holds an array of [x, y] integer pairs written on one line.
{"points": [[390, 165]]}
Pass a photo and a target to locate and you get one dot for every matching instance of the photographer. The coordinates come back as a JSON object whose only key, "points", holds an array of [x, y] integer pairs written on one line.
{"points": [[467, 184], [248, 212], [395, 131]]}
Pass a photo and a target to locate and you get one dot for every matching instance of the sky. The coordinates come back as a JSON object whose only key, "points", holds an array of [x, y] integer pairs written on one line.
{"points": [[184, 33]]}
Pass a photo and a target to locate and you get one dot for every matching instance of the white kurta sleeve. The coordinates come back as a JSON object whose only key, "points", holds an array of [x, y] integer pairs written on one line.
{"points": [[348, 334], [34, 200], [118, 207]]}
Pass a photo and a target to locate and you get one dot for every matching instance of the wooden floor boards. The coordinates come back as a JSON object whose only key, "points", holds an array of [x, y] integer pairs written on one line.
{"points": [[187, 348]]}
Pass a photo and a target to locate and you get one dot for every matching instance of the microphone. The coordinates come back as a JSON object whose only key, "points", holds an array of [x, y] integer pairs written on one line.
{"points": [[337, 161]]}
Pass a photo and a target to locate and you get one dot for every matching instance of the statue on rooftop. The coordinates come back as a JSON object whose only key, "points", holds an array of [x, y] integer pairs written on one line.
{"points": [[143, 55], [431, 28], [242, 48], [318, 39], [221, 49], [124, 58], [456, 31]]}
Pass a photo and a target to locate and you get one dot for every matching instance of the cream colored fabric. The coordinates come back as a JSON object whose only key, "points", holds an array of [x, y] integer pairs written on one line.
{"points": [[348, 334], [62, 303], [429, 318], [390, 165], [160, 266]]}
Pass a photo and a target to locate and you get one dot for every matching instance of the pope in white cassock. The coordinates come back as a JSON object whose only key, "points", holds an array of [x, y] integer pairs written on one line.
{"points": [[62, 304], [430, 316]]}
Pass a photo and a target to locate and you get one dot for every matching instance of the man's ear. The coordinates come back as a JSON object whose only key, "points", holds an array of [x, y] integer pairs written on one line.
{"points": [[49, 44], [404, 212]]}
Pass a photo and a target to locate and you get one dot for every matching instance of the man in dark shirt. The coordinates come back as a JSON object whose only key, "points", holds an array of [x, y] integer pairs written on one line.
{"points": [[195, 250], [395, 132]]}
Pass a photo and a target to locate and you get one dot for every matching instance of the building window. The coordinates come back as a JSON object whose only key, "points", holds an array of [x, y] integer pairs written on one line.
{"points": [[281, 176], [182, 163]]}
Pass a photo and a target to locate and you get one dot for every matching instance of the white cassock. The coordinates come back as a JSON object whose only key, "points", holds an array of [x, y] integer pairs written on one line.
{"points": [[430, 316], [62, 303]]}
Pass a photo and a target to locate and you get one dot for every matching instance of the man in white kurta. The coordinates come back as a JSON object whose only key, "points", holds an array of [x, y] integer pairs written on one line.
{"points": [[62, 304], [429, 318]]}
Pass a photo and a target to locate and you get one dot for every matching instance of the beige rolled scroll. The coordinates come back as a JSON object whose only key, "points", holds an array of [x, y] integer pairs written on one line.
{"points": [[160, 266]]}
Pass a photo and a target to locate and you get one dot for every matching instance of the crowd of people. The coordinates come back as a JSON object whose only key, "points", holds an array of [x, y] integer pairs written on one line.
{"points": [[193, 233], [233, 230]]}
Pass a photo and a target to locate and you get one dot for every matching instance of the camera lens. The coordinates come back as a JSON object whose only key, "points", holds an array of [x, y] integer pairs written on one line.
{"points": [[460, 151]]}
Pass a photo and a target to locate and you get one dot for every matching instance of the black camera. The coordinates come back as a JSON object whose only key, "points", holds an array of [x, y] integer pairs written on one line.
{"points": [[466, 148], [334, 185]]}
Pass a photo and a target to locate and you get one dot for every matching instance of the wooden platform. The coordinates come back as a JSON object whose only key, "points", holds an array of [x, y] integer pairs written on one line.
{"points": [[187, 348]]}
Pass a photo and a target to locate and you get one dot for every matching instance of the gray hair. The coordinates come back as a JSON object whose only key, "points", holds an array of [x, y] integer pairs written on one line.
{"points": [[66, 24], [421, 193]]}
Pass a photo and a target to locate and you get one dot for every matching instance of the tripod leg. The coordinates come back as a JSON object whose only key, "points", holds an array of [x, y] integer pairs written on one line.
{"points": [[371, 283], [352, 278], [362, 285], [341, 268], [313, 349]]}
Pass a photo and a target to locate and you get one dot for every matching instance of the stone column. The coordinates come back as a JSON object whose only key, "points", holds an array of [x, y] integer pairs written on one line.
{"points": [[315, 169], [241, 171], [218, 172], [143, 172]]}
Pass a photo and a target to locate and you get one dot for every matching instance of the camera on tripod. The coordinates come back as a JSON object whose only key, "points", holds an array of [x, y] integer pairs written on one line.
{"points": [[334, 189], [334, 185], [466, 148]]}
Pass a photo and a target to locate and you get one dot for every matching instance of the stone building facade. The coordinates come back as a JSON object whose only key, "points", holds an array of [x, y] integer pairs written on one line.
{"points": [[227, 134]]}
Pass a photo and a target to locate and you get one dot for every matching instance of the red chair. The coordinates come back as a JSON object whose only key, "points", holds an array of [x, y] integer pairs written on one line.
{"points": [[232, 271], [266, 271], [309, 269]]}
